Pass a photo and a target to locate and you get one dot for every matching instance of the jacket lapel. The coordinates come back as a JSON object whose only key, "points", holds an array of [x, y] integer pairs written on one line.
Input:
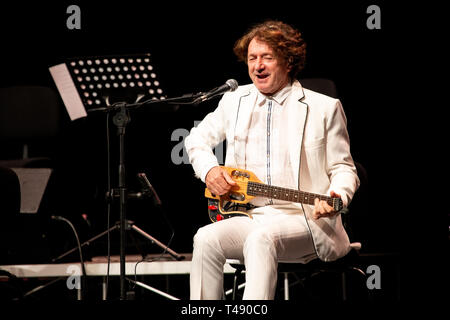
{"points": [[242, 124], [298, 112]]}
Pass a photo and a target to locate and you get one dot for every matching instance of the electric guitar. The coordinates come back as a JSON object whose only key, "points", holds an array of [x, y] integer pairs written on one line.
{"points": [[248, 187]]}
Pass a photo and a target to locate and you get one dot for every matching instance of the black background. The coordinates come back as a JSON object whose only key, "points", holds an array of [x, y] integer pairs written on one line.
{"points": [[191, 47]]}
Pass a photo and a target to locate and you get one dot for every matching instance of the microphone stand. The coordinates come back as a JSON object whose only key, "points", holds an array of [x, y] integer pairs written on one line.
{"points": [[121, 120], [176, 101]]}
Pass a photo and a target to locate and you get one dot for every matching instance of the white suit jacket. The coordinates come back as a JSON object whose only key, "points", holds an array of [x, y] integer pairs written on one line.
{"points": [[319, 152]]}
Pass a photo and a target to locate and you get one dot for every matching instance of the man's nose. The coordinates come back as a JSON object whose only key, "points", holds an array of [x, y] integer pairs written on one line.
{"points": [[260, 65]]}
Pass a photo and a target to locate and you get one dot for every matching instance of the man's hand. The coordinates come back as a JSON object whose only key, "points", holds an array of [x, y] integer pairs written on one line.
{"points": [[323, 209], [219, 181]]}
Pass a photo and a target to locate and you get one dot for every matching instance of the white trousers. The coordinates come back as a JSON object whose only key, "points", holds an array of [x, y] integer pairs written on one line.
{"points": [[276, 233]]}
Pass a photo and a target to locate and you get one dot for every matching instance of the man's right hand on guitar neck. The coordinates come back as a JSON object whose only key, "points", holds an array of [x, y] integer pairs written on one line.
{"points": [[218, 181]]}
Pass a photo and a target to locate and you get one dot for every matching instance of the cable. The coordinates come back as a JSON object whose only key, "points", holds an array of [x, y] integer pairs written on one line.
{"points": [[80, 251], [108, 213]]}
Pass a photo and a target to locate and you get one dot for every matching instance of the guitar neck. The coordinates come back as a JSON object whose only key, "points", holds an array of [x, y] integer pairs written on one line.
{"points": [[263, 190]]}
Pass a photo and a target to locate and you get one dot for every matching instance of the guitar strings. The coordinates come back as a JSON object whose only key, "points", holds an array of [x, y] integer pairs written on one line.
{"points": [[305, 196]]}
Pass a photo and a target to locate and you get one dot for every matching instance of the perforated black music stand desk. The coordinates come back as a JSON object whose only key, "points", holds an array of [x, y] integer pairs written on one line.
{"points": [[93, 83], [110, 84]]}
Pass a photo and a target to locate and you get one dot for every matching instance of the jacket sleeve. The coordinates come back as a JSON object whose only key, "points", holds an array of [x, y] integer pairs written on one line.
{"points": [[202, 139], [340, 166]]}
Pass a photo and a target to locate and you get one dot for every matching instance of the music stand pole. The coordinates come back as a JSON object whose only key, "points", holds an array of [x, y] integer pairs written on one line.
{"points": [[121, 119]]}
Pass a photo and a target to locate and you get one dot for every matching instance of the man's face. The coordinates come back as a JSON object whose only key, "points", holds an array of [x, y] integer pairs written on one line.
{"points": [[268, 73]]}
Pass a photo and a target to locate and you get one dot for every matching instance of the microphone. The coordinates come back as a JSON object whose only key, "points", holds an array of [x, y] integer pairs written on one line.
{"points": [[230, 85], [147, 187]]}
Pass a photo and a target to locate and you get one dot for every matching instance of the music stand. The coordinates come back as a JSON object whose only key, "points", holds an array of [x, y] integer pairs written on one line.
{"points": [[110, 84]]}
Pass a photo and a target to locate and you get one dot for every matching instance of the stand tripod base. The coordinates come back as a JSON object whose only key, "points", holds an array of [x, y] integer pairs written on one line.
{"points": [[166, 248], [129, 225], [145, 286]]}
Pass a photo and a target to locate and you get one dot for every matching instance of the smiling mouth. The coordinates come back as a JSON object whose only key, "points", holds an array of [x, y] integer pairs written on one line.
{"points": [[262, 76]]}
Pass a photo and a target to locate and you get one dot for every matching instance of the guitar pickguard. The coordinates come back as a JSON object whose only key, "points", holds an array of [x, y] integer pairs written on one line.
{"points": [[218, 211]]}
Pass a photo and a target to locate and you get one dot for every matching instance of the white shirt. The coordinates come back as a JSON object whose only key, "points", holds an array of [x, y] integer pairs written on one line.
{"points": [[266, 152]]}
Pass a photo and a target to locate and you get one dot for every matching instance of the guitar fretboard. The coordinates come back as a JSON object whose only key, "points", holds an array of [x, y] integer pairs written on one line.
{"points": [[264, 190]]}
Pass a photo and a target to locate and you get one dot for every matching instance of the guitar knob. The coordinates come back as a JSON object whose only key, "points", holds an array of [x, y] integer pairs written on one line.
{"points": [[219, 217]]}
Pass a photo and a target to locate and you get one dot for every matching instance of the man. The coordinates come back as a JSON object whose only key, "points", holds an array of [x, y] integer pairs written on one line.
{"points": [[289, 137]]}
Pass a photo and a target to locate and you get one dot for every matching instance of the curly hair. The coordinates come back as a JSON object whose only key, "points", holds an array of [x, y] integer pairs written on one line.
{"points": [[286, 42]]}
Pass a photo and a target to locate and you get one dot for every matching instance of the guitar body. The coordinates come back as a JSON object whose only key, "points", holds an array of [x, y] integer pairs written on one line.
{"points": [[248, 186], [218, 208]]}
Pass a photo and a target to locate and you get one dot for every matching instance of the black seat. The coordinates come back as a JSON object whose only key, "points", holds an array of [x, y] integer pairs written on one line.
{"points": [[324, 86]]}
